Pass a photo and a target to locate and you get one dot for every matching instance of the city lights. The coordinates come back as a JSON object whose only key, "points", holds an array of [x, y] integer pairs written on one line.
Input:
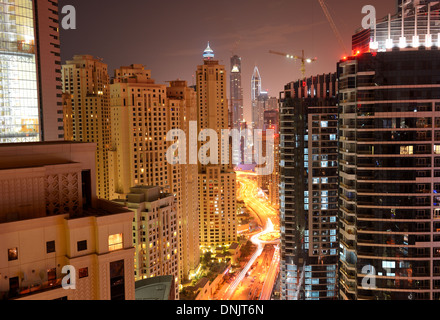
{"points": [[192, 162]]}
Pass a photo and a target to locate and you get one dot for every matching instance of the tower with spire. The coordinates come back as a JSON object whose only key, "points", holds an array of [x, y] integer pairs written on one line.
{"points": [[256, 84], [208, 54], [255, 94]]}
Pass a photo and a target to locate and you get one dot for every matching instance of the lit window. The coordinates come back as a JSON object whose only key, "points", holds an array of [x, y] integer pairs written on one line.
{"points": [[115, 242], [406, 150], [12, 254], [437, 149]]}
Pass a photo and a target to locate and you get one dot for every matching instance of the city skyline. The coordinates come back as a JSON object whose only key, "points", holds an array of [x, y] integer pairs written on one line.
{"points": [[117, 184], [288, 26]]}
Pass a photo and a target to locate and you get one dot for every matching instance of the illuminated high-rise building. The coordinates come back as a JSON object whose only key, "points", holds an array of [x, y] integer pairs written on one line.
{"points": [[255, 93], [309, 189], [155, 233], [236, 101], [30, 79], [142, 113], [217, 180], [183, 103], [86, 79], [263, 103]]}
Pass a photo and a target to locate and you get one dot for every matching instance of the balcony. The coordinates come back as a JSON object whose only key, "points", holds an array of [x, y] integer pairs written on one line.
{"points": [[26, 291]]}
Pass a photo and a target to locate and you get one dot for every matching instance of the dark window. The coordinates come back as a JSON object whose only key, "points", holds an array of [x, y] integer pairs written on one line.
{"points": [[86, 188], [13, 286], [12, 254], [117, 280], [83, 273], [82, 245], [50, 246]]}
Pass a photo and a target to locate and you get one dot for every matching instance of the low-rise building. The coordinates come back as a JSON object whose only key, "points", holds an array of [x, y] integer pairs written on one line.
{"points": [[52, 223]]}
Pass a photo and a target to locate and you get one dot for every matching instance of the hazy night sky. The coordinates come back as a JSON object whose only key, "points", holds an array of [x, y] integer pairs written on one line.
{"points": [[169, 37]]}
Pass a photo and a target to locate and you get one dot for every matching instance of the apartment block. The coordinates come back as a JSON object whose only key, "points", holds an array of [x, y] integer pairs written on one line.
{"points": [[86, 79], [217, 180], [155, 233], [50, 218], [309, 189]]}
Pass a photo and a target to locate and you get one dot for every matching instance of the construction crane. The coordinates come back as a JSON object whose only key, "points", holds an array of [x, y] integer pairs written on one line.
{"points": [[303, 59], [333, 25]]}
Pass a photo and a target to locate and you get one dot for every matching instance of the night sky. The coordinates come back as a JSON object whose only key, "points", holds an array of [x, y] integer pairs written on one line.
{"points": [[169, 37]]}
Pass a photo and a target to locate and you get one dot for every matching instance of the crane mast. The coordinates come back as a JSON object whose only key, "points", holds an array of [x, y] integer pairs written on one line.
{"points": [[333, 25]]}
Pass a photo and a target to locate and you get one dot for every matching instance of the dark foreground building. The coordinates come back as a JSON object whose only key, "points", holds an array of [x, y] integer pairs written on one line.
{"points": [[308, 189]]}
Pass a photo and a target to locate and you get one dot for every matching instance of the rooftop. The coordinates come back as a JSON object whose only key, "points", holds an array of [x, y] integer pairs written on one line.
{"points": [[156, 288]]}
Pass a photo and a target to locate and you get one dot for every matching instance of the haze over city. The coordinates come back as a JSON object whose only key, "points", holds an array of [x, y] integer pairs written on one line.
{"points": [[169, 37]]}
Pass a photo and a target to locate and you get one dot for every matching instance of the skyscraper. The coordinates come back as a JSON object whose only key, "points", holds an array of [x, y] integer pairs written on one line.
{"points": [[30, 80], [255, 93], [263, 103], [142, 114], [389, 182], [237, 103], [217, 181], [86, 79], [309, 189], [183, 103], [255, 84]]}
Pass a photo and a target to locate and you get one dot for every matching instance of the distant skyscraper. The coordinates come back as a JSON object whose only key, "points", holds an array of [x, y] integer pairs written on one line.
{"points": [[30, 85], [236, 92], [309, 189], [86, 80], [255, 84], [217, 182], [255, 93], [263, 103]]}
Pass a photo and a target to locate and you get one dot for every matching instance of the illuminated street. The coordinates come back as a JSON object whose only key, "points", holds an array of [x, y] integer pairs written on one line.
{"points": [[258, 276]]}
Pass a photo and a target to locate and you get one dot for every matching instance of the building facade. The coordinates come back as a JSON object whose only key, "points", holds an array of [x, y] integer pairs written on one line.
{"points": [[155, 234], [389, 182], [143, 113], [86, 79], [30, 79], [236, 101], [263, 103], [217, 181], [309, 189], [50, 218], [388, 93]]}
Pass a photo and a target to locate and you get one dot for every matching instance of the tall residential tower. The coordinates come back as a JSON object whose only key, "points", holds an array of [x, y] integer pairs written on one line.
{"points": [[309, 189], [86, 79], [217, 181]]}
